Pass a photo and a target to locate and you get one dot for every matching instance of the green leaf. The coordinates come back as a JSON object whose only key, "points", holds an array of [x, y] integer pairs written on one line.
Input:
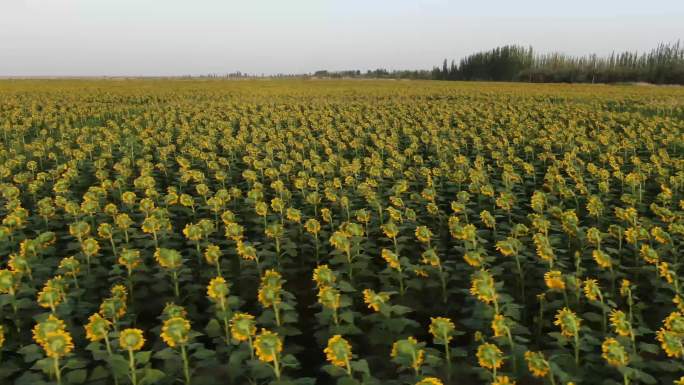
{"points": [[151, 376], [76, 376], [213, 329]]}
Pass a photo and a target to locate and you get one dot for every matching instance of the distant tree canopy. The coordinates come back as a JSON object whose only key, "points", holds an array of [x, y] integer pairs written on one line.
{"points": [[662, 65]]}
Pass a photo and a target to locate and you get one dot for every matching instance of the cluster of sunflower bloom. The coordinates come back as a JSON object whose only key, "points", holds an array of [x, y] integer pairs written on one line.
{"points": [[607, 191]]}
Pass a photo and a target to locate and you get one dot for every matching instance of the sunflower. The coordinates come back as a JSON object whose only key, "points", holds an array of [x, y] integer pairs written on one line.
{"points": [[503, 380], [168, 258], [323, 276], [97, 328], [338, 352], [430, 381], [131, 339], [618, 319], [489, 356], [483, 287], [568, 322], [671, 343], [375, 300], [537, 364], [442, 330], [554, 280], [50, 325], [212, 254], [58, 344], [268, 345], [500, 325], [614, 353], [391, 258], [602, 259], [175, 331], [408, 352], [242, 326], [591, 289], [217, 290], [423, 234], [329, 297]]}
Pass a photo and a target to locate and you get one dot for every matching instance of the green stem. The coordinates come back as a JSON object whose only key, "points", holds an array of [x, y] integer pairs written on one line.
{"points": [[131, 366], [58, 371], [186, 365]]}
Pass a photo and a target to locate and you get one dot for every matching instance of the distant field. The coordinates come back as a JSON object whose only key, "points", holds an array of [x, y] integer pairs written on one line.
{"points": [[353, 232]]}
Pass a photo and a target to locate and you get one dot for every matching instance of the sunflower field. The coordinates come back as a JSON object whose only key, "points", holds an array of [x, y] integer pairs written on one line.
{"points": [[340, 232]]}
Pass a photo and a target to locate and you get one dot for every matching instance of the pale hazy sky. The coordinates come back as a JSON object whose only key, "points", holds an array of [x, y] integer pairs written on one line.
{"points": [[176, 37]]}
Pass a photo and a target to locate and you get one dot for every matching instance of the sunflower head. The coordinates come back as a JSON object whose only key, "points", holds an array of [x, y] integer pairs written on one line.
{"points": [[58, 344], [408, 352], [97, 328], [489, 356], [323, 275], [175, 331], [592, 290], [338, 352], [442, 330], [242, 326], [131, 339], [217, 290], [554, 280], [375, 301], [620, 323], [614, 353], [51, 325], [671, 343], [329, 297], [430, 381], [483, 287], [391, 258], [168, 258], [568, 322], [537, 364], [267, 345]]}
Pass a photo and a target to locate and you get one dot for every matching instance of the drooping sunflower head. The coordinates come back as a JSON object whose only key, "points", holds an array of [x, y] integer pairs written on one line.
{"points": [[323, 275], [58, 344], [172, 310], [568, 322], [620, 323], [483, 287], [130, 258], [614, 353], [329, 297], [408, 352], [442, 330], [591, 289], [675, 322], [489, 356], [97, 328], [212, 254], [391, 258], [175, 331], [312, 226], [503, 380], [131, 339], [168, 258], [338, 352], [554, 280], [375, 301], [430, 381], [500, 325], [670, 342], [242, 326], [217, 290], [537, 364], [51, 325], [268, 345], [423, 234]]}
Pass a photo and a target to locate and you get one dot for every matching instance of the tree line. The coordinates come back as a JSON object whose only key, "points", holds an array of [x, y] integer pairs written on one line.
{"points": [[661, 65]]}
